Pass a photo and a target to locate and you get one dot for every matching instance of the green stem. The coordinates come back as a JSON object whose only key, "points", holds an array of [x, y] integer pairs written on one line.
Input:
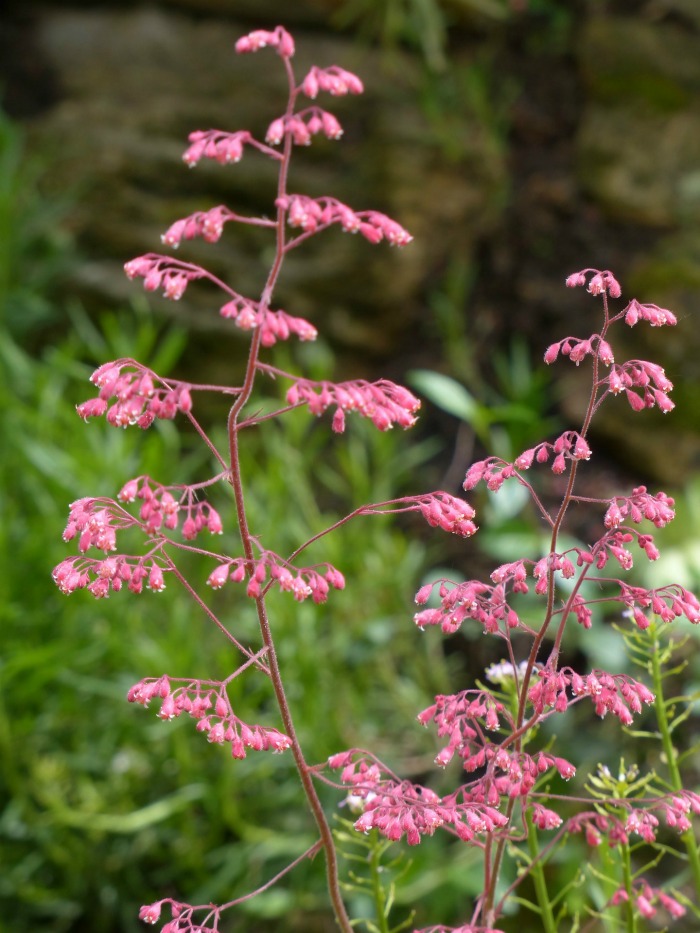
{"points": [[537, 873], [674, 774], [377, 887], [628, 906]]}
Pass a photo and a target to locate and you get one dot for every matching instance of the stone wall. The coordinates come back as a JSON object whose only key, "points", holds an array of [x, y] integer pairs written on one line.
{"points": [[554, 138]]}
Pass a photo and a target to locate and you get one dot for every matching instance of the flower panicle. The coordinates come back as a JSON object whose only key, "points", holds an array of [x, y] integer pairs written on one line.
{"points": [[385, 403], [102, 577], [209, 705], [400, 808], [137, 397], [314, 214], [161, 510], [314, 582]]}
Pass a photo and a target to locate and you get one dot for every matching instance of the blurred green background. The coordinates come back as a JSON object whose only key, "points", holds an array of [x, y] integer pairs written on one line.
{"points": [[104, 806]]}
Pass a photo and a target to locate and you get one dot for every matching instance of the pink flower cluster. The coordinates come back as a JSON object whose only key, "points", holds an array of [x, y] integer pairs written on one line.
{"points": [[577, 350], [172, 275], [99, 577], [279, 39], [336, 81], [656, 316], [221, 146], [303, 126], [400, 808], [494, 471], [274, 325], [465, 928], [183, 917], [646, 898], [138, 401], [315, 214], [160, 509], [641, 505], [309, 581], [383, 402], [222, 725], [442, 510], [462, 717], [640, 374], [599, 282], [95, 522], [207, 224], [618, 694], [640, 820], [469, 600], [668, 602]]}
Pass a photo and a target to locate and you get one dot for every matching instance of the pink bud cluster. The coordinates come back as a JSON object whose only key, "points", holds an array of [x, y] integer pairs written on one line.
{"points": [[640, 374], [656, 316], [95, 522], [442, 510], [172, 275], [138, 401], [303, 126], [494, 471], [207, 224], [599, 282], [274, 325], [183, 917], [618, 694], [383, 402], [315, 214], [470, 600], [309, 581], [668, 602], [221, 146], [221, 725], [336, 81], [100, 577], [160, 509], [640, 506], [646, 898], [640, 820], [543, 818], [279, 39], [577, 350], [464, 928], [462, 717], [399, 808]]}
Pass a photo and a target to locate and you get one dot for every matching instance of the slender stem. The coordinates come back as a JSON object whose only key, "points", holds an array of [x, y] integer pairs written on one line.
{"points": [[676, 782], [537, 872], [492, 871], [628, 906], [303, 770]]}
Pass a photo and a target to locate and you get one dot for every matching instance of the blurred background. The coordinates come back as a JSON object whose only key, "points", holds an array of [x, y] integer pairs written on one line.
{"points": [[518, 141]]}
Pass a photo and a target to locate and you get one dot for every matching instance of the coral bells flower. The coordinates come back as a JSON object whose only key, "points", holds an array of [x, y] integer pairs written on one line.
{"points": [[441, 510], [137, 399], [599, 282], [383, 402], [314, 582], [640, 506], [315, 214], [274, 325], [399, 808], [336, 81], [198, 699], [171, 275], [655, 315], [279, 39]]}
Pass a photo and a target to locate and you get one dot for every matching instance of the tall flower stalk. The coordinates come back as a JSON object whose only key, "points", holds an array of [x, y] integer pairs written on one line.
{"points": [[509, 797]]}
